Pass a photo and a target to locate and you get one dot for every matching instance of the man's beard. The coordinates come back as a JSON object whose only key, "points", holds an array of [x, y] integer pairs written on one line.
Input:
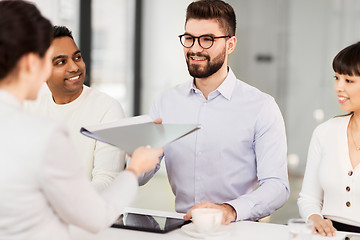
{"points": [[197, 71]]}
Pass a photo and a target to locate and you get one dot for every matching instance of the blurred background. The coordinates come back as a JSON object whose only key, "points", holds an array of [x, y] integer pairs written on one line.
{"points": [[285, 48]]}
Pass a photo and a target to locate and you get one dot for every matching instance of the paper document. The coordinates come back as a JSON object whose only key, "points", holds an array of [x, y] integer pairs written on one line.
{"points": [[131, 133]]}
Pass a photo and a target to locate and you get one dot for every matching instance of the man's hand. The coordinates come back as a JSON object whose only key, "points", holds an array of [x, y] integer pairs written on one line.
{"points": [[322, 226], [229, 213]]}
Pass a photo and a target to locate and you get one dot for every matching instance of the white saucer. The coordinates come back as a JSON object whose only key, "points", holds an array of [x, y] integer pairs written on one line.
{"points": [[190, 230]]}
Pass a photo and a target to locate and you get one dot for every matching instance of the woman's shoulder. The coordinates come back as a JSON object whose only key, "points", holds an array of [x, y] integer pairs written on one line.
{"points": [[36, 132], [40, 124], [333, 123]]}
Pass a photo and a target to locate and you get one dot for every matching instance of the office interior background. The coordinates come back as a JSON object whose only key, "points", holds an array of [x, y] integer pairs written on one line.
{"points": [[285, 48]]}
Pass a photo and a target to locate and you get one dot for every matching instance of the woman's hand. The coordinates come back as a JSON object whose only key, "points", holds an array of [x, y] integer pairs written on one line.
{"points": [[144, 159], [322, 226]]}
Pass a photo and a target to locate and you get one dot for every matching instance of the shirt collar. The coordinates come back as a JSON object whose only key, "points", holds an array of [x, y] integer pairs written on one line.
{"points": [[73, 102], [225, 89]]}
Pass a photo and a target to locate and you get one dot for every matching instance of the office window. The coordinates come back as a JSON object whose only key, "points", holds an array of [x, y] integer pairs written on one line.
{"points": [[61, 12], [112, 49]]}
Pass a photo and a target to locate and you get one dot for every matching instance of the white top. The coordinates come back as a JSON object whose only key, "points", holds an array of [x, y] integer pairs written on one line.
{"points": [[331, 187], [101, 161], [43, 187]]}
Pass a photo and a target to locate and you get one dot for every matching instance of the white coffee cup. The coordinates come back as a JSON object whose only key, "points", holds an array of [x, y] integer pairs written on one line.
{"points": [[206, 220]]}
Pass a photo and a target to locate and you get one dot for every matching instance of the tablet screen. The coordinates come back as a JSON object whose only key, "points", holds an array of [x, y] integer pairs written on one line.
{"points": [[148, 223]]}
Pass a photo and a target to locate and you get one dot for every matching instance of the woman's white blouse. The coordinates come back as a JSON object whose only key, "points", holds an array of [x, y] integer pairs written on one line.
{"points": [[43, 187], [331, 186]]}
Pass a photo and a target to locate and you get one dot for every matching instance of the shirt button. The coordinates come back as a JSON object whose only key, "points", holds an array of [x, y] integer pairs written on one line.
{"points": [[350, 173], [348, 204], [348, 189]]}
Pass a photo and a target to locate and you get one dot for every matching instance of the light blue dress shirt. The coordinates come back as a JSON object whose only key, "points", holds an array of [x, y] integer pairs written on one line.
{"points": [[237, 157]]}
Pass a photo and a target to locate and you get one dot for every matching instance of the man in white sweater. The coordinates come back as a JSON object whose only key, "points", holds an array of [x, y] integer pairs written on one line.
{"points": [[77, 105]]}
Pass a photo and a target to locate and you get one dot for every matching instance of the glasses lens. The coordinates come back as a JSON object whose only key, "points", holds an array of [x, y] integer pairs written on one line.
{"points": [[206, 41], [187, 40]]}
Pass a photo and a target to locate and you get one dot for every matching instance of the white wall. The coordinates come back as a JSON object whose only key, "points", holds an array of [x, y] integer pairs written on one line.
{"points": [[318, 30], [163, 60], [61, 12]]}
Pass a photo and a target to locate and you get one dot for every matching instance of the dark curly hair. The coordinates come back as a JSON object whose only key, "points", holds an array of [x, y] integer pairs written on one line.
{"points": [[62, 31]]}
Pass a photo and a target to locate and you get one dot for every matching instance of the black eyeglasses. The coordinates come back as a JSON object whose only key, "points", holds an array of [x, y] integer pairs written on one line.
{"points": [[205, 41]]}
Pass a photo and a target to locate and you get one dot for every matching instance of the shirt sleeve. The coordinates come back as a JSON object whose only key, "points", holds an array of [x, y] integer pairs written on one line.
{"points": [[270, 149], [311, 194], [70, 193], [108, 160]]}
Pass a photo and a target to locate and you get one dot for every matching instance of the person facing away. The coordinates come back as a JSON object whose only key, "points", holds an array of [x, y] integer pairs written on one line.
{"points": [[77, 105], [237, 161], [331, 191], [43, 187]]}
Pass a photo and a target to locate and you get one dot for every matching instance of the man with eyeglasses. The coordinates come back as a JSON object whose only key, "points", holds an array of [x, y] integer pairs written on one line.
{"points": [[236, 162]]}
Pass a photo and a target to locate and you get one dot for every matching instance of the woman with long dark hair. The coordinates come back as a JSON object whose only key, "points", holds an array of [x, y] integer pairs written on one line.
{"points": [[330, 195], [43, 188]]}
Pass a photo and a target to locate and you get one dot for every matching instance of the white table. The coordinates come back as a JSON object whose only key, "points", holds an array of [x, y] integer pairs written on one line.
{"points": [[240, 231]]}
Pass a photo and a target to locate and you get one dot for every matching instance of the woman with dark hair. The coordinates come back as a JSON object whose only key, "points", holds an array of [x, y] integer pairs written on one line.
{"points": [[42, 185], [330, 195]]}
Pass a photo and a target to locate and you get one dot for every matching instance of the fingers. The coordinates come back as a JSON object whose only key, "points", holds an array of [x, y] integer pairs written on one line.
{"points": [[188, 215], [229, 214], [158, 151], [154, 153], [150, 152], [144, 159], [325, 228], [158, 121]]}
